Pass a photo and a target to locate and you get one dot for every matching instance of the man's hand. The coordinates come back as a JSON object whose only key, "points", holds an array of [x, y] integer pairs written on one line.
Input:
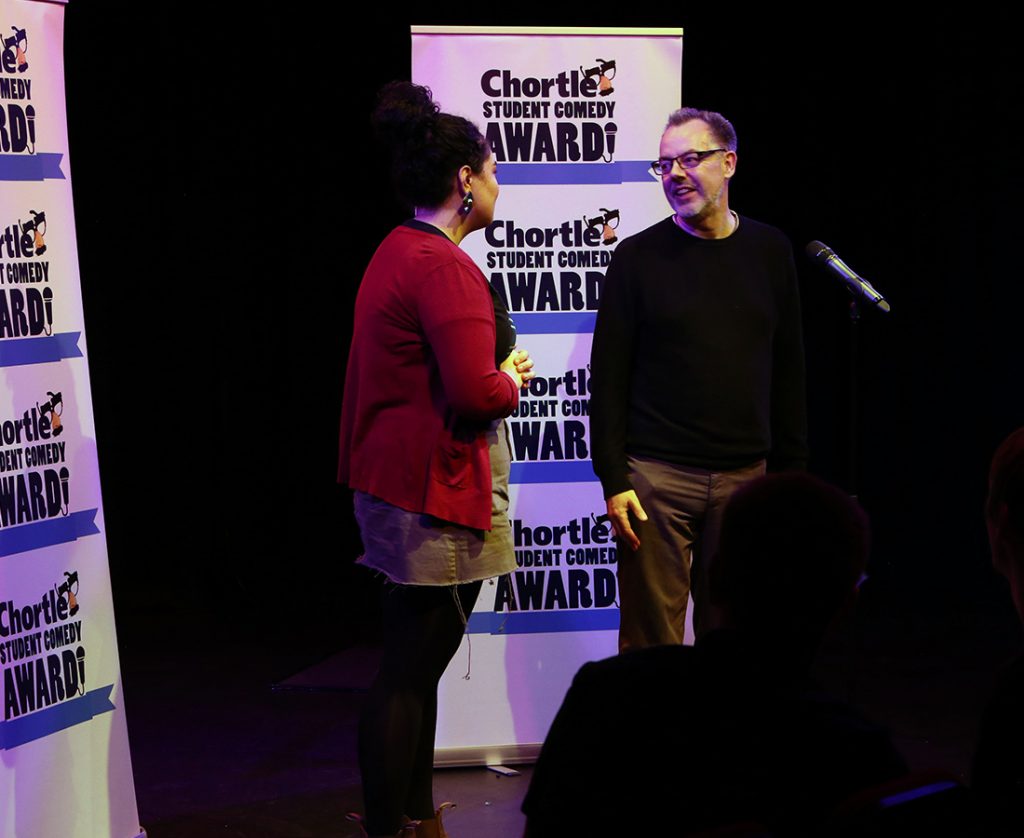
{"points": [[619, 507]]}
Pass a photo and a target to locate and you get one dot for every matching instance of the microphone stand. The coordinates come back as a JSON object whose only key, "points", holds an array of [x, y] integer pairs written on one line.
{"points": [[854, 639], [853, 476]]}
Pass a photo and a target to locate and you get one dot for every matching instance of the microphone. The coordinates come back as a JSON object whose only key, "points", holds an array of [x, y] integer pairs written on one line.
{"points": [[64, 475], [48, 309], [826, 256]]}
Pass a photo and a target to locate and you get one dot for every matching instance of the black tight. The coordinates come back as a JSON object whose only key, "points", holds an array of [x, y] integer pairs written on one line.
{"points": [[422, 631]]}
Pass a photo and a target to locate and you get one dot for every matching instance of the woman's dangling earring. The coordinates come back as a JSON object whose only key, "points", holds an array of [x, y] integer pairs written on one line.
{"points": [[467, 203]]}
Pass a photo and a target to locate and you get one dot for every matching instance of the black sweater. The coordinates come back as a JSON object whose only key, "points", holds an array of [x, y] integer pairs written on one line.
{"points": [[698, 353]]}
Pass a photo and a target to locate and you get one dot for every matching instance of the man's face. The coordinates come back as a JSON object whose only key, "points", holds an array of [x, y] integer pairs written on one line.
{"points": [[696, 194]]}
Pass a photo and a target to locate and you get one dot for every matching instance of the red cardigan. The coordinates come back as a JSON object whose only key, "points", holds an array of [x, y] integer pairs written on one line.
{"points": [[421, 384]]}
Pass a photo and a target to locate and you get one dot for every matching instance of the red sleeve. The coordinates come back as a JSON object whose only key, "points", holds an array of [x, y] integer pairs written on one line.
{"points": [[457, 315]]}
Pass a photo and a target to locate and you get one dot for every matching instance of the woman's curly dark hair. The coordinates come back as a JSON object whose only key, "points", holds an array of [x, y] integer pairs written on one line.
{"points": [[427, 146]]}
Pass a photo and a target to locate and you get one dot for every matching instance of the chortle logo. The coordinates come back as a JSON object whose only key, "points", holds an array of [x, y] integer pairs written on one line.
{"points": [[53, 408], [549, 423], [564, 118], [572, 541], [555, 268], [41, 650], [604, 72], [15, 50], [67, 591], [24, 239], [25, 311], [607, 221], [34, 480], [36, 226], [43, 666], [566, 564], [17, 121], [568, 84], [36, 424]]}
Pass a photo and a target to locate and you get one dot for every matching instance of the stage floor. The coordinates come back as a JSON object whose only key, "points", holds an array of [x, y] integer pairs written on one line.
{"points": [[220, 749]]}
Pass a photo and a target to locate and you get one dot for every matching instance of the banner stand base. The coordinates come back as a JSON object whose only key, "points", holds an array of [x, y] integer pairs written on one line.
{"points": [[484, 755]]}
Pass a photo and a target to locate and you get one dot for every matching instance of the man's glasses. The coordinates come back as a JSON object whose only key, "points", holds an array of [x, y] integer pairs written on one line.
{"points": [[691, 160]]}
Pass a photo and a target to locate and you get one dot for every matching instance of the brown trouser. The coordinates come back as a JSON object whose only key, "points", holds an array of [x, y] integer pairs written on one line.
{"points": [[684, 508]]}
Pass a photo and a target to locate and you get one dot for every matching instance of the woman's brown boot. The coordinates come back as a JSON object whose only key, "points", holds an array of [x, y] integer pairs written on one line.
{"points": [[433, 827], [408, 829]]}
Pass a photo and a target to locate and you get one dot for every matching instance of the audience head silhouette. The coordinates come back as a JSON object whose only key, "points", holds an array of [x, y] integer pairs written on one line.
{"points": [[792, 552], [1004, 513]]}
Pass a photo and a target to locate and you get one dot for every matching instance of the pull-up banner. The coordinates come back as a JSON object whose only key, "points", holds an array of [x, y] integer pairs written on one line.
{"points": [[64, 762], [574, 117]]}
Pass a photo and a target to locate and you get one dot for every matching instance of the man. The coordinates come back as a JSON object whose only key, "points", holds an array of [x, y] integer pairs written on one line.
{"points": [[698, 378], [675, 740], [998, 772]]}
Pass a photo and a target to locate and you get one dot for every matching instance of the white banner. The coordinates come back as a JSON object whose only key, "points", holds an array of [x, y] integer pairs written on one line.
{"points": [[64, 762], [574, 117]]}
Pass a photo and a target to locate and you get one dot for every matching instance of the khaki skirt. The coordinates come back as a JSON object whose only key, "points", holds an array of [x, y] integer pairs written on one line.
{"points": [[412, 548]]}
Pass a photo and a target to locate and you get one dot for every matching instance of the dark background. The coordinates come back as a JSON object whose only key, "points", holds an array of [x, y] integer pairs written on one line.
{"points": [[228, 195]]}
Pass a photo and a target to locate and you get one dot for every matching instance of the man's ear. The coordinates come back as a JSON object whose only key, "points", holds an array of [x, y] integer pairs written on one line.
{"points": [[729, 163]]}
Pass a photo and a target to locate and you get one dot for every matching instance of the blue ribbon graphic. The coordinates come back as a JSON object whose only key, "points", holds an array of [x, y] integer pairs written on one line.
{"points": [[555, 323], [563, 174], [20, 351], [56, 717], [49, 532], [42, 166], [557, 471], [540, 622]]}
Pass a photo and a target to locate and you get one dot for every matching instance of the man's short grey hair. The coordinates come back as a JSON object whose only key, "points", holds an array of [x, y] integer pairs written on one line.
{"points": [[720, 126]]}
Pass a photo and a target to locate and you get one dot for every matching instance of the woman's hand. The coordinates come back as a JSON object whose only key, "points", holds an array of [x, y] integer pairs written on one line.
{"points": [[519, 367]]}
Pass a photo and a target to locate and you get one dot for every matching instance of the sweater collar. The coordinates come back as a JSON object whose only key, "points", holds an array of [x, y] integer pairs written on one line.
{"points": [[423, 227]]}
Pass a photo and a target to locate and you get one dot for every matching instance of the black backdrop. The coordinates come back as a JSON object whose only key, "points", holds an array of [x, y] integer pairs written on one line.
{"points": [[228, 196]]}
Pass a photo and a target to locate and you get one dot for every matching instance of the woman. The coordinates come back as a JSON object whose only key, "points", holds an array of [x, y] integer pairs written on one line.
{"points": [[431, 374]]}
